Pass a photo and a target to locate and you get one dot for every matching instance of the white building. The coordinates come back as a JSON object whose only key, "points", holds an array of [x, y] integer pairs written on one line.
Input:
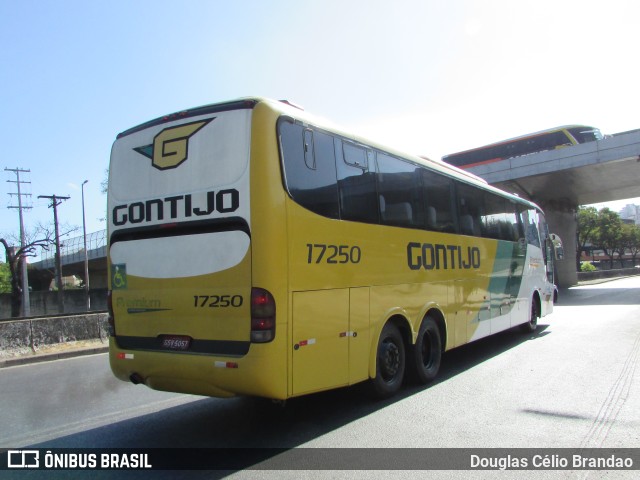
{"points": [[631, 212]]}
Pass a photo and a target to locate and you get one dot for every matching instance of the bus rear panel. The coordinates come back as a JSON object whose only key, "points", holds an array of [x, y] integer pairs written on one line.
{"points": [[185, 314]]}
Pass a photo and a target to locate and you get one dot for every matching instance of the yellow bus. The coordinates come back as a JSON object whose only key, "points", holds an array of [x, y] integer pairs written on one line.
{"points": [[255, 249]]}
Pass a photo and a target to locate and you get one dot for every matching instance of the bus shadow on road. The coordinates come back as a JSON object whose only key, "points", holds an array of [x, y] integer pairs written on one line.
{"points": [[473, 354], [260, 424]]}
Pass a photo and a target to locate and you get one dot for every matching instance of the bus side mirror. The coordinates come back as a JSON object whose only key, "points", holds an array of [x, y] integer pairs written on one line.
{"points": [[556, 241]]}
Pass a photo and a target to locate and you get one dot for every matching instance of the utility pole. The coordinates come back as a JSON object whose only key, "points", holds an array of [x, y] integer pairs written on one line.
{"points": [[55, 201], [26, 305], [86, 254]]}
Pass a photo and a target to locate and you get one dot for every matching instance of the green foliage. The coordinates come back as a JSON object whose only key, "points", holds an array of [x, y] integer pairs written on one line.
{"points": [[608, 228], [605, 231], [629, 241], [609, 232], [5, 278], [587, 267], [587, 222]]}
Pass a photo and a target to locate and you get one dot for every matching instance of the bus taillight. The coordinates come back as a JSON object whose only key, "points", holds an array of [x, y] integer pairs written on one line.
{"points": [[263, 316], [110, 317]]}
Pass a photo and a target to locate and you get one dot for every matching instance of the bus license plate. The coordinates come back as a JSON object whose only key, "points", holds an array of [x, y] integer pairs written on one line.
{"points": [[175, 342]]}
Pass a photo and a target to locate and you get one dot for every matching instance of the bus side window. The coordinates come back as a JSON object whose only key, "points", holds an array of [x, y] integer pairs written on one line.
{"points": [[547, 246], [493, 217], [543, 232], [519, 225], [499, 219], [356, 183], [309, 168], [530, 222], [400, 193], [513, 226], [470, 208], [437, 192]]}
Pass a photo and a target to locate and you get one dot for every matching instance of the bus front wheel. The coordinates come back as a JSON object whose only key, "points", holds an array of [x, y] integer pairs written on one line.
{"points": [[427, 352], [390, 362], [532, 324]]}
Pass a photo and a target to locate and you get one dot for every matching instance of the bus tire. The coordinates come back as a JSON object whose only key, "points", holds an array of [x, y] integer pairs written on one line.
{"points": [[532, 324], [390, 362], [426, 354]]}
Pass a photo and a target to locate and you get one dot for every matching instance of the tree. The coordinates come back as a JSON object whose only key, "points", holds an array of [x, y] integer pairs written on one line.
{"points": [[41, 237], [608, 233], [104, 184], [5, 278], [629, 242], [587, 225]]}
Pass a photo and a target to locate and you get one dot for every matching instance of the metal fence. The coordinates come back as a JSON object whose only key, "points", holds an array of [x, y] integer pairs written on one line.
{"points": [[72, 249]]}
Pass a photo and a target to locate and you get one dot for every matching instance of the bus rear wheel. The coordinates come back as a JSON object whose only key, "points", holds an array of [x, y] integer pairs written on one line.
{"points": [[390, 362], [427, 352]]}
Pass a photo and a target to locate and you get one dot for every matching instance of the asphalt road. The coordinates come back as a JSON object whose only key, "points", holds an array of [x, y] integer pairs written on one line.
{"points": [[574, 383]]}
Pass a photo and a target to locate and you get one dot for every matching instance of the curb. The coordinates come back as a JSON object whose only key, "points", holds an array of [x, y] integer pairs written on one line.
{"points": [[46, 357], [597, 281]]}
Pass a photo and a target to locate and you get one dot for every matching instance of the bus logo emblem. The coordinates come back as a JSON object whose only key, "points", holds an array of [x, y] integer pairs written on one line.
{"points": [[170, 147]]}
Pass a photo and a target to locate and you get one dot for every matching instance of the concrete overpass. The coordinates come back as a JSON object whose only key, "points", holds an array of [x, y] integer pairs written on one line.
{"points": [[561, 180]]}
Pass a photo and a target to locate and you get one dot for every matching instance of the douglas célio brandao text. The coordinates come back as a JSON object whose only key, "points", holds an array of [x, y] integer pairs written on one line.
{"points": [[550, 462]]}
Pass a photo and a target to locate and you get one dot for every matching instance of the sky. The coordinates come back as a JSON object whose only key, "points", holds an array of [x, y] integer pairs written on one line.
{"points": [[425, 76]]}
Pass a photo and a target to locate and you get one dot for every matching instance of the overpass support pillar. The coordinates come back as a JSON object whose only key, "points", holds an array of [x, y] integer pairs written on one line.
{"points": [[563, 222]]}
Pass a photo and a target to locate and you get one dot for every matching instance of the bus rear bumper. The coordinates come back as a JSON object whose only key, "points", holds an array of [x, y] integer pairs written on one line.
{"points": [[256, 374]]}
